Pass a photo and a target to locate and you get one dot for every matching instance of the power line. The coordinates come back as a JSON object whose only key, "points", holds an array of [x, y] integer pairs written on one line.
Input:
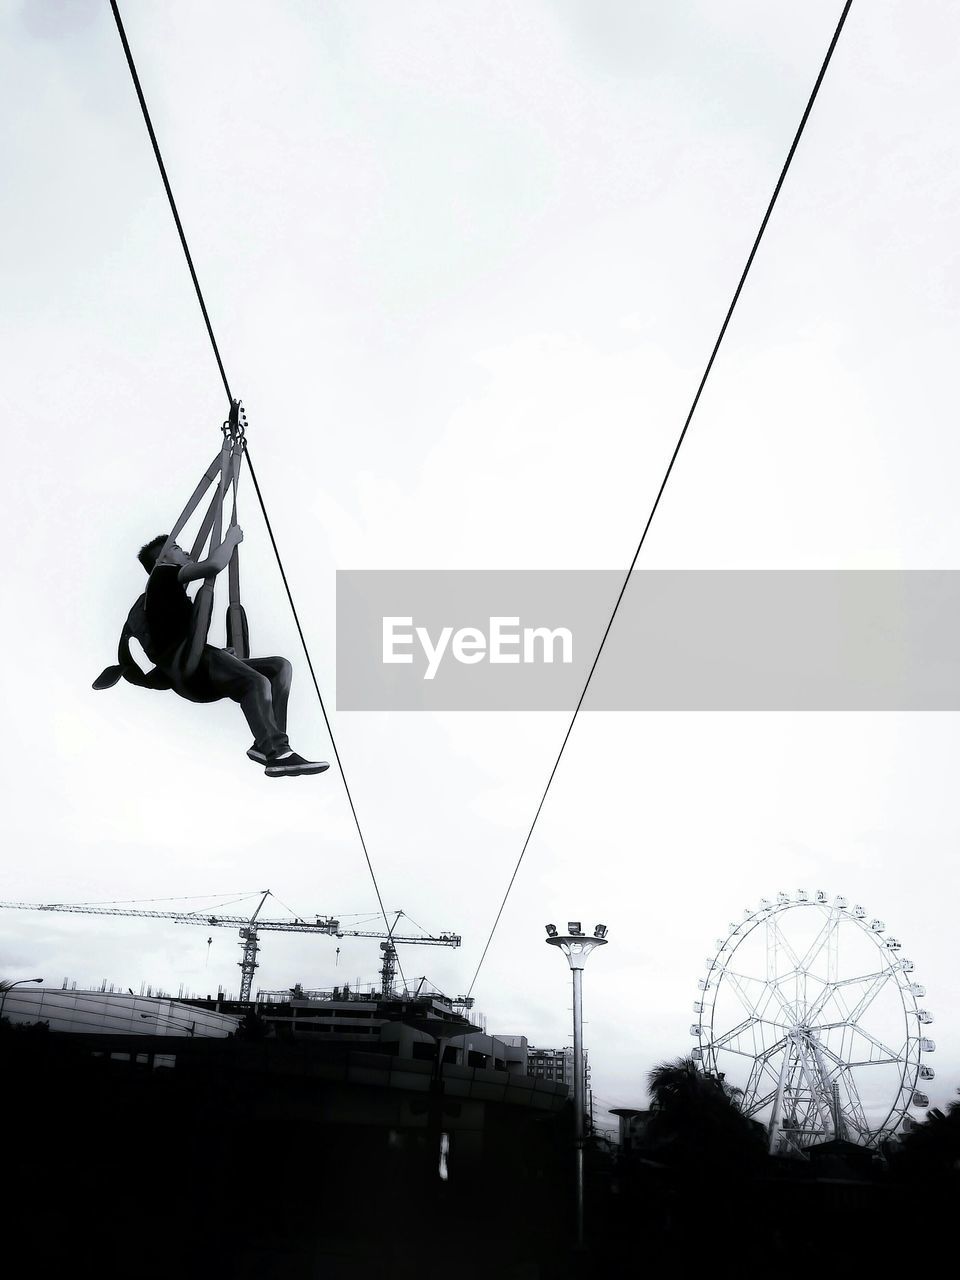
{"points": [[669, 470], [226, 386]]}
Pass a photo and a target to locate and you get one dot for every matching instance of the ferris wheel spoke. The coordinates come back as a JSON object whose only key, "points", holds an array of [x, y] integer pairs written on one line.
{"points": [[868, 997], [760, 1104], [741, 1053], [756, 1051], [874, 985], [753, 1051], [763, 1065], [872, 1039], [855, 1111], [738, 983], [767, 1061], [788, 1007], [753, 1081], [892, 1060], [874, 1062], [849, 1064], [777, 1026], [854, 1118], [721, 1041], [816, 1009], [764, 1050], [779, 1001], [750, 1039], [819, 942], [835, 989], [769, 993], [780, 942], [838, 1060], [863, 977]]}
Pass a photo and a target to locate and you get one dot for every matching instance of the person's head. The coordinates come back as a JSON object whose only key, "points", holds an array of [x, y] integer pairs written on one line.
{"points": [[149, 553]]}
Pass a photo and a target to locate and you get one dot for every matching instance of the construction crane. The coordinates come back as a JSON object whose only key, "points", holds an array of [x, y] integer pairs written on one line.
{"points": [[251, 928]]}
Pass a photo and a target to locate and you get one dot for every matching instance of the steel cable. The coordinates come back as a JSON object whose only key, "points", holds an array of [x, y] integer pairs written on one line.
{"points": [[226, 385], [667, 473]]}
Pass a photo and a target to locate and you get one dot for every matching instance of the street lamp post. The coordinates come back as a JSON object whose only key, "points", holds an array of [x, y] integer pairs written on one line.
{"points": [[576, 946], [8, 986]]}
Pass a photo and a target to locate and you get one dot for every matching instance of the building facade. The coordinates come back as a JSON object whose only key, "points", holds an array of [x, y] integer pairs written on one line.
{"points": [[120, 1012], [556, 1065]]}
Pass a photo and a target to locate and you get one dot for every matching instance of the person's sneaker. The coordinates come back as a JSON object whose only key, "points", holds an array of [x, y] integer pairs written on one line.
{"points": [[256, 755], [291, 766]]}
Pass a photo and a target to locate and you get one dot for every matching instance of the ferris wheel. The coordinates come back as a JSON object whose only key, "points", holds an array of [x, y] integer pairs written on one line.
{"points": [[809, 1011]]}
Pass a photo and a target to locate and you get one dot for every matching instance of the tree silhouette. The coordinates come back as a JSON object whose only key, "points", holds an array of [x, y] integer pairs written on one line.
{"points": [[932, 1149], [696, 1124]]}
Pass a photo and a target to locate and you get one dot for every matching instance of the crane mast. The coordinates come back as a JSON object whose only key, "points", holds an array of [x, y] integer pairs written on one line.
{"points": [[250, 927]]}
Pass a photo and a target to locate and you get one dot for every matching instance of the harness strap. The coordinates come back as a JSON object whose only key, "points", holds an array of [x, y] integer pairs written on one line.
{"points": [[208, 478], [225, 469], [196, 551], [238, 634], [216, 505], [203, 604]]}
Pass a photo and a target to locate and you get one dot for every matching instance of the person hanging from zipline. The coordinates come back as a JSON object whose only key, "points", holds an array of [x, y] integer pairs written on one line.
{"points": [[172, 630], [260, 685]]}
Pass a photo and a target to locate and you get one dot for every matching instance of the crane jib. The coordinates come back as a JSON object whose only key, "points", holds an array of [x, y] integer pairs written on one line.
{"points": [[248, 927]]}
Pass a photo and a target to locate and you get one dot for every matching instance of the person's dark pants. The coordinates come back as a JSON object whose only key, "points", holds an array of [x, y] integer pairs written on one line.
{"points": [[260, 685]]}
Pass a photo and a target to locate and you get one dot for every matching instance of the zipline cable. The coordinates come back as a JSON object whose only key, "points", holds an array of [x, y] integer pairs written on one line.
{"points": [[323, 707], [253, 475], [666, 477], [173, 204]]}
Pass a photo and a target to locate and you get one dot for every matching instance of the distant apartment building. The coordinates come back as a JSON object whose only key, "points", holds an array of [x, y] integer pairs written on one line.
{"points": [[552, 1065], [515, 1054]]}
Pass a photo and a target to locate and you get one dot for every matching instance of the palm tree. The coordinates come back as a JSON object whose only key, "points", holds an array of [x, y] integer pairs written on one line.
{"points": [[932, 1149], [696, 1123], [682, 1082]]}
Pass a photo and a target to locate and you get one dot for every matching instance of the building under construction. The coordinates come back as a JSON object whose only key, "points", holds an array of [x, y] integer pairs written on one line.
{"points": [[301, 1119], [346, 1109]]}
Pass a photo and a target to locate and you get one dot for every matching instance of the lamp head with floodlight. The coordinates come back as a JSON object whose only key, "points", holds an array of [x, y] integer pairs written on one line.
{"points": [[575, 944]]}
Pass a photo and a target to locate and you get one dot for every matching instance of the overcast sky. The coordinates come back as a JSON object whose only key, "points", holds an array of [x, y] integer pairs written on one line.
{"points": [[465, 264]]}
